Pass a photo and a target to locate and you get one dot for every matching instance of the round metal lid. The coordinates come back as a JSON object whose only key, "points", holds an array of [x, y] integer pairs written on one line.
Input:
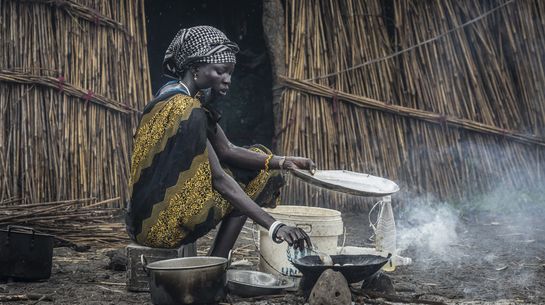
{"points": [[349, 182]]}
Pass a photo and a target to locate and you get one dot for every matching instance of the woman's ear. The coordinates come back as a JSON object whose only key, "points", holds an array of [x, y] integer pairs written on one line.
{"points": [[195, 72]]}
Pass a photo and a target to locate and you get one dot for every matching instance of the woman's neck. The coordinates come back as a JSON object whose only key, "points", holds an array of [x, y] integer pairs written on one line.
{"points": [[190, 85]]}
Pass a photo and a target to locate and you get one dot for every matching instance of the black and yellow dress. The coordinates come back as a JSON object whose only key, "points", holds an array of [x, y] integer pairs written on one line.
{"points": [[172, 198]]}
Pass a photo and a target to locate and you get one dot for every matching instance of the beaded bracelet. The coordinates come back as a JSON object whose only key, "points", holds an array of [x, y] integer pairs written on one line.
{"points": [[269, 157]]}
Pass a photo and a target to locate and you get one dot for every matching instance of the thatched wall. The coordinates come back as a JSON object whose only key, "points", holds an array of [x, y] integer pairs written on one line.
{"points": [[72, 76], [452, 117]]}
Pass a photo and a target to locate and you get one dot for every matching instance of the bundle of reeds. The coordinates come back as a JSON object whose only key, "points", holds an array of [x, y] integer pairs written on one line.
{"points": [[76, 222], [451, 118], [74, 74]]}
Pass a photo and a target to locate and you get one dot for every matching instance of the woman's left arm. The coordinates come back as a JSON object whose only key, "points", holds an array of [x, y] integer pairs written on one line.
{"points": [[245, 158]]}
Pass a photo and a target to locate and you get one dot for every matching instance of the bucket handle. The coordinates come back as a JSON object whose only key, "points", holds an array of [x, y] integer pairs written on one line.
{"points": [[21, 229], [371, 224], [229, 260], [144, 262], [12, 227], [307, 227]]}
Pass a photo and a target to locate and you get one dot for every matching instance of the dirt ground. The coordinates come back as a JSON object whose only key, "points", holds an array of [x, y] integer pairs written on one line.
{"points": [[494, 260]]}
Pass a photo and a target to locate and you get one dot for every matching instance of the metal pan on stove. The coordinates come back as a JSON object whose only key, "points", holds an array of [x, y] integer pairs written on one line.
{"points": [[354, 268]]}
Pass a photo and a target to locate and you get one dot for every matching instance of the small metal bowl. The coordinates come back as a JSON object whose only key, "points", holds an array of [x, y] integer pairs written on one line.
{"points": [[248, 283]]}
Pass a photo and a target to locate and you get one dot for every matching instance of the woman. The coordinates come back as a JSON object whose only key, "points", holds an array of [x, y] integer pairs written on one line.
{"points": [[186, 176]]}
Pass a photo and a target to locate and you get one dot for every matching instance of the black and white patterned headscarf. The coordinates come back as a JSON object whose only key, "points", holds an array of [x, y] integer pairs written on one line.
{"points": [[200, 44]]}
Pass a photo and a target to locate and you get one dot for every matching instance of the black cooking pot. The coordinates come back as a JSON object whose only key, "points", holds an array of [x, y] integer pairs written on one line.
{"points": [[25, 254], [188, 280], [354, 268]]}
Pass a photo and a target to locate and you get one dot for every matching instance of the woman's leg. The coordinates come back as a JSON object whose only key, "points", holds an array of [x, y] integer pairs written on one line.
{"points": [[227, 234]]}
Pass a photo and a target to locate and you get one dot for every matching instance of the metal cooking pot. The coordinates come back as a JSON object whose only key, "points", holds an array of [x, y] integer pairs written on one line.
{"points": [[188, 280]]}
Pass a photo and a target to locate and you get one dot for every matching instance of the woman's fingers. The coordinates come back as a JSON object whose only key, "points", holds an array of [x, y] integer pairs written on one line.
{"points": [[301, 163], [311, 166], [300, 239], [306, 239], [284, 234], [295, 237]]}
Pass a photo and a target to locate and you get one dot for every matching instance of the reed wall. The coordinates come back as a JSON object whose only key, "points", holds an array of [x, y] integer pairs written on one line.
{"points": [[73, 75], [444, 97]]}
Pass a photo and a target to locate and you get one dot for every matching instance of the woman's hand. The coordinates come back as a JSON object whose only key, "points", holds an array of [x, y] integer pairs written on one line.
{"points": [[294, 236], [300, 163]]}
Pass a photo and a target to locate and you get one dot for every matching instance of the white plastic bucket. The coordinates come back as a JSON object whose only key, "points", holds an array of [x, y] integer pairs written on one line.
{"points": [[322, 225]]}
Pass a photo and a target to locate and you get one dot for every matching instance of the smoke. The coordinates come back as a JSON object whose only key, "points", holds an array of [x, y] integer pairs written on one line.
{"points": [[429, 229], [511, 212], [497, 238]]}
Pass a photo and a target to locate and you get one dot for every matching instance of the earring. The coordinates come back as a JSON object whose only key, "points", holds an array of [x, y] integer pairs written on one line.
{"points": [[195, 76]]}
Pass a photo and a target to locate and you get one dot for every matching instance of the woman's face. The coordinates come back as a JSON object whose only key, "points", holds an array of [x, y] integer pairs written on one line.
{"points": [[215, 76]]}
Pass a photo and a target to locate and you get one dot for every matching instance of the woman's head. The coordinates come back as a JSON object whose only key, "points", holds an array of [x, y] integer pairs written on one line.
{"points": [[203, 51], [215, 76]]}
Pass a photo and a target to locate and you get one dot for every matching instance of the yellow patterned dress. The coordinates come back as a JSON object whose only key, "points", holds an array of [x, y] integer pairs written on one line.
{"points": [[172, 199]]}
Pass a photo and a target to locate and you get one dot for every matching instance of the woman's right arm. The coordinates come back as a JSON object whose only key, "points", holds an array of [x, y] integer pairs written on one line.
{"points": [[232, 192]]}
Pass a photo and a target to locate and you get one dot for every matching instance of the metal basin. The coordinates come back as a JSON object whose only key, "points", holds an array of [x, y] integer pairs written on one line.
{"points": [[247, 283]]}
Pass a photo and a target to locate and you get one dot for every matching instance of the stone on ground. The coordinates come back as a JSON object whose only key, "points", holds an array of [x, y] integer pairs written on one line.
{"points": [[379, 282], [330, 289]]}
